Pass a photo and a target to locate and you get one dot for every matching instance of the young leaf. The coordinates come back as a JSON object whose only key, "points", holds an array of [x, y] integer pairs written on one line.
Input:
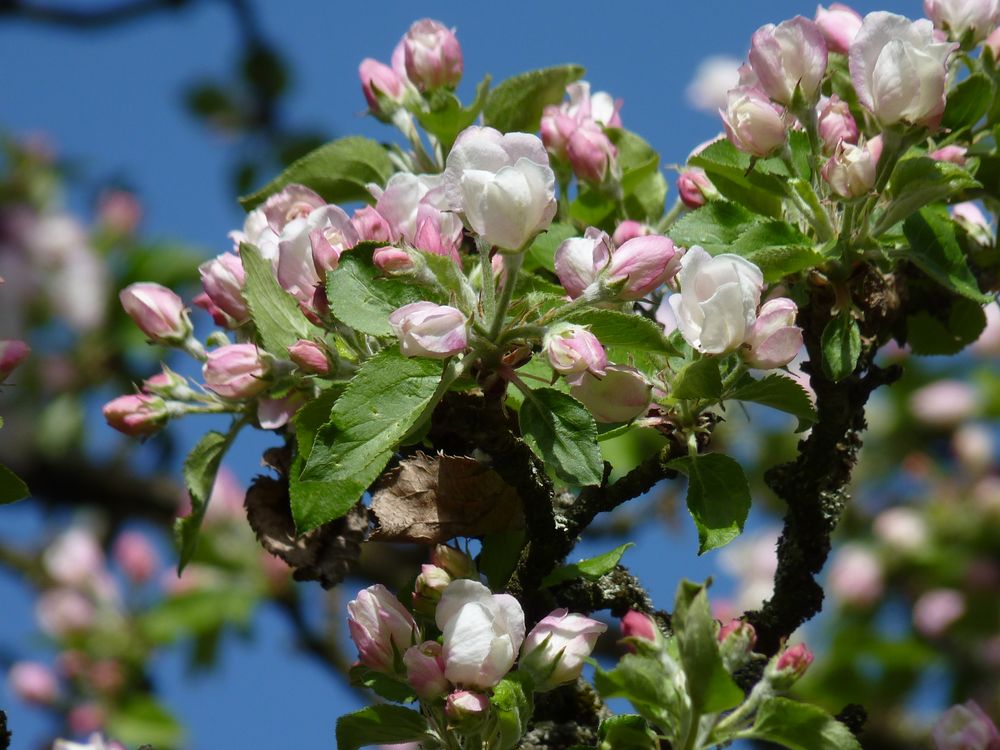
{"points": [[382, 724], [628, 331], [200, 469], [339, 171], [699, 379], [715, 226], [561, 432], [382, 685], [799, 726], [917, 182], [362, 298], [927, 334], [447, 117], [12, 487], [718, 497], [841, 342], [711, 688], [778, 392], [626, 732], [516, 104], [590, 569], [513, 704], [731, 173], [641, 680], [967, 102], [643, 185], [275, 312], [935, 250], [384, 400], [777, 248], [541, 252]]}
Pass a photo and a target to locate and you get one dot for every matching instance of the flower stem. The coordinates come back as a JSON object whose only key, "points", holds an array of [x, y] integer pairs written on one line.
{"points": [[512, 263]]}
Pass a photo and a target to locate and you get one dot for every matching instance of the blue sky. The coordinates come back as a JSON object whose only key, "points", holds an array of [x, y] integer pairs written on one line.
{"points": [[111, 102]]}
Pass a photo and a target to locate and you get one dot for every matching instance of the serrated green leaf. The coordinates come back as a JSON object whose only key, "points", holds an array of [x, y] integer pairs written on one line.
{"points": [[378, 408], [590, 569], [777, 248], [841, 344], [917, 182], [935, 250], [625, 330], [967, 102], [644, 682], [362, 298], [718, 497], [12, 487], [447, 117], [699, 379], [561, 432], [715, 226], [382, 724], [731, 173], [778, 392], [513, 705], [516, 104], [275, 312], [382, 685], [339, 171], [799, 726], [709, 684], [200, 469]]}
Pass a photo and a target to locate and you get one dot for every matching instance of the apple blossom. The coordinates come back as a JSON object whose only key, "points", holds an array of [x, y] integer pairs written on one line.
{"points": [[63, 611], [850, 171], [628, 230], [288, 204], [482, 633], [157, 311], [425, 670], [311, 246], [638, 625], [713, 79], [426, 329], [856, 576], [235, 371], [954, 154], [621, 395], [992, 42], [136, 556], [432, 55], [502, 184], [716, 308], [222, 279], [310, 357], [74, 557], [466, 708], [898, 69], [839, 24], [641, 265], [119, 211], [788, 57], [273, 413], [573, 350], [937, 610], [976, 18], [944, 403], [753, 124], [85, 718], [95, 742], [579, 260], [901, 529], [554, 651], [12, 353], [381, 628], [974, 447], [590, 153], [836, 124], [965, 727], [33, 682], [774, 339], [136, 415], [371, 226], [970, 217]]}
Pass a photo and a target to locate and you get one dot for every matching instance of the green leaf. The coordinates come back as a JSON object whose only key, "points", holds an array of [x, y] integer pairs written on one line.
{"points": [[197, 612], [643, 185], [841, 342], [590, 569], [968, 102], [927, 334], [380, 725], [731, 173], [626, 330], [715, 226], [711, 688], [310, 418], [363, 299], [935, 250], [799, 726], [12, 487], [626, 732], [516, 104], [200, 469], [339, 171], [699, 379], [447, 117], [541, 252], [513, 705], [592, 207], [499, 557], [646, 684], [275, 312], [139, 719], [777, 248], [561, 432], [381, 404], [718, 497], [918, 181], [382, 685], [778, 392]]}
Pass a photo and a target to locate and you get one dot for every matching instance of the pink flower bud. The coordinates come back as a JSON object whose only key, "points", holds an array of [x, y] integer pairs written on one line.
{"points": [[235, 371], [961, 17], [793, 663], [557, 127], [380, 84], [937, 610], [590, 153], [695, 188], [736, 641], [12, 353], [63, 611], [33, 682], [573, 350], [167, 384], [643, 264], [969, 216], [629, 230], [425, 670], [637, 625], [993, 42], [836, 124], [454, 561], [464, 707], [774, 339], [738, 629], [579, 260], [856, 576], [157, 311], [429, 330], [393, 261], [850, 171], [954, 154], [381, 628], [85, 719], [310, 357], [288, 204], [839, 25], [753, 124], [438, 232], [554, 651], [620, 396], [965, 727], [789, 56], [222, 279], [371, 225], [433, 56], [136, 415], [428, 587], [119, 211], [136, 556], [218, 316]]}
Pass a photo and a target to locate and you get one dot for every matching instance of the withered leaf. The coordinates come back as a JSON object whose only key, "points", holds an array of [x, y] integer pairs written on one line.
{"points": [[430, 499]]}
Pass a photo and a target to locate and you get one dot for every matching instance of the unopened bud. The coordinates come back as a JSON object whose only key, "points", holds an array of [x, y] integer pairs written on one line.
{"points": [[136, 415], [466, 709], [427, 589], [454, 561], [310, 357], [157, 311]]}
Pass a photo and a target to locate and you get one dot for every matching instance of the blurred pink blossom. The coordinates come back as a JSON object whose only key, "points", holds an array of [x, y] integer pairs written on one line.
{"points": [[937, 610]]}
